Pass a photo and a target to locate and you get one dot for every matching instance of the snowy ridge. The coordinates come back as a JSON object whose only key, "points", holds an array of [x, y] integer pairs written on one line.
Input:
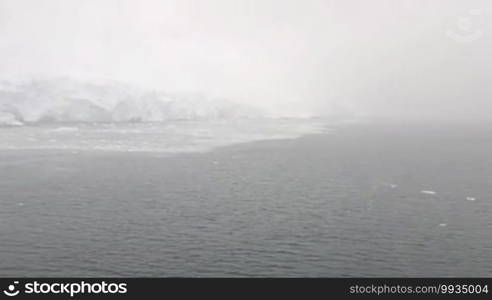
{"points": [[65, 101]]}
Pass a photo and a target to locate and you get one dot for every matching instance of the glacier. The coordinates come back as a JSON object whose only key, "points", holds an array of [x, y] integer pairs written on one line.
{"points": [[70, 115], [71, 101]]}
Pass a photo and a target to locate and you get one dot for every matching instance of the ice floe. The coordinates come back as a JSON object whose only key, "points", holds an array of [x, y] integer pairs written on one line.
{"points": [[427, 192]]}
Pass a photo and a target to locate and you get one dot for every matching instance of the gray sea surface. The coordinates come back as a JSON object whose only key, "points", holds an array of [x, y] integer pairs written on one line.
{"points": [[363, 200]]}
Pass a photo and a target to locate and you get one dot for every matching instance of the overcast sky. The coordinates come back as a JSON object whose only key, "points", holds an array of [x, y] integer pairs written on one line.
{"points": [[397, 57]]}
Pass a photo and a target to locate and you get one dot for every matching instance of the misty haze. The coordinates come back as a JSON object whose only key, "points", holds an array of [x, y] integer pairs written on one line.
{"points": [[164, 138]]}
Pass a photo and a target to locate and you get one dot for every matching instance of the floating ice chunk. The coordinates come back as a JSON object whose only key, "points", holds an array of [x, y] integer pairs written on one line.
{"points": [[66, 129], [428, 192], [471, 198], [20, 204], [443, 225], [387, 184]]}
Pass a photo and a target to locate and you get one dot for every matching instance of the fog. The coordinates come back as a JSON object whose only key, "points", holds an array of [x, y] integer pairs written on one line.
{"points": [[402, 59]]}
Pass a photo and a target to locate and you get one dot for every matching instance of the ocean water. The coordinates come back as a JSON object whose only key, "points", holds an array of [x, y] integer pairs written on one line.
{"points": [[272, 199]]}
